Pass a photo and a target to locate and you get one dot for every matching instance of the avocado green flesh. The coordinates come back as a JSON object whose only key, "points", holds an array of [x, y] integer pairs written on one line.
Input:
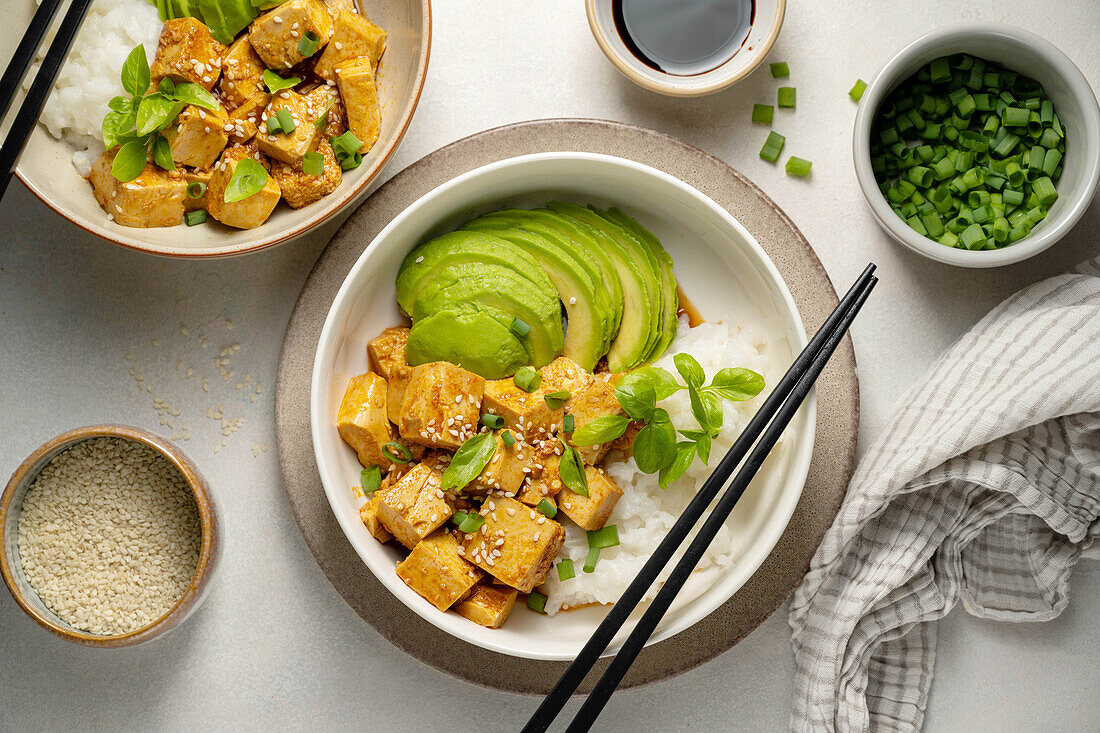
{"points": [[468, 337], [670, 301], [640, 327]]}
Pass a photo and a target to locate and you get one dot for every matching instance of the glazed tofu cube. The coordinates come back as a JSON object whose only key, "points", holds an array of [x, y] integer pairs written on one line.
{"points": [[249, 212], [369, 514], [525, 413], [436, 570], [387, 358], [305, 137], [335, 6], [246, 118], [326, 97], [355, 80], [198, 136], [625, 442], [197, 176], [592, 511], [507, 470], [531, 542], [546, 484], [415, 505], [595, 400], [442, 405], [353, 36], [275, 35], [242, 73], [362, 421], [489, 605], [187, 52], [564, 374], [301, 188], [153, 199]]}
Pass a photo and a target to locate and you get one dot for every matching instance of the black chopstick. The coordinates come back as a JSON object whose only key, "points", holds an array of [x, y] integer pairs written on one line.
{"points": [[637, 589], [615, 672], [28, 114], [25, 52]]}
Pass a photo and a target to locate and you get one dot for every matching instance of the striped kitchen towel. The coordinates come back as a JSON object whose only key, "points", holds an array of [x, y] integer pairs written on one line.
{"points": [[984, 487]]}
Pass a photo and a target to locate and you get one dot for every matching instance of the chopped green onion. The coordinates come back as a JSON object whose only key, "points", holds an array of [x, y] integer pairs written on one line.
{"points": [[309, 43], [397, 452], [565, 570], [313, 164], [494, 422], [762, 113], [276, 83], [519, 328], [459, 517], [786, 97], [349, 161], [527, 379], [536, 602], [554, 400], [286, 122], [547, 508], [857, 90], [273, 125], [196, 190], [471, 523], [567, 424], [773, 146], [371, 479], [591, 560], [194, 218], [346, 143], [508, 438], [604, 537], [780, 69], [799, 167], [1043, 188]]}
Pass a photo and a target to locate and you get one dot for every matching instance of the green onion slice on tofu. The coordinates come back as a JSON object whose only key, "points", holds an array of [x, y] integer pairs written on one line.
{"points": [[554, 400], [547, 508], [313, 164], [309, 43], [459, 517], [536, 602], [471, 523], [567, 424], [286, 122], [604, 537], [519, 328], [591, 560], [491, 421], [196, 190], [371, 479], [508, 438], [273, 125], [194, 218], [565, 570], [527, 379], [396, 452]]}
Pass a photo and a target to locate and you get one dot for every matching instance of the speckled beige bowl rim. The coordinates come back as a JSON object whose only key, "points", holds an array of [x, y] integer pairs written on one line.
{"points": [[672, 91], [348, 198], [34, 463]]}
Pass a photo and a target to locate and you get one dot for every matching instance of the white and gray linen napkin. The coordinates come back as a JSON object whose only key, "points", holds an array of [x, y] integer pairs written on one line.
{"points": [[984, 488]]}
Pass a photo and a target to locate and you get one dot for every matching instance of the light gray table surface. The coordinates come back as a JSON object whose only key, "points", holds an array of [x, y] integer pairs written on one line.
{"points": [[275, 647]]}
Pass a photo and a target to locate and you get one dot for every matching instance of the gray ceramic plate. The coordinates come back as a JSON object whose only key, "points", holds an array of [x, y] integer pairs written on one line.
{"points": [[834, 448]]}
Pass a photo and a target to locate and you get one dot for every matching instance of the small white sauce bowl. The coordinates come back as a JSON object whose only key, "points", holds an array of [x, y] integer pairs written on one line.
{"points": [[1027, 54], [766, 21]]}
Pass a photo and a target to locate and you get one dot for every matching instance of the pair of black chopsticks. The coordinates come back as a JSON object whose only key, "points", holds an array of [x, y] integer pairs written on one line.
{"points": [[43, 81], [763, 430]]}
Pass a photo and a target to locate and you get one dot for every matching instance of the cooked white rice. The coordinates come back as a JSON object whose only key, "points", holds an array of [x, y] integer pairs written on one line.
{"points": [[92, 73], [646, 512]]}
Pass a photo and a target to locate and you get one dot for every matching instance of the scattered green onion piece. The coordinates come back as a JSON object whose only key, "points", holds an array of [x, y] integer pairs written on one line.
{"points": [[973, 237], [196, 190], [519, 328], [1015, 117], [346, 143], [591, 560], [491, 421], [547, 508], [370, 479], [313, 164], [309, 43], [773, 146], [565, 570], [780, 70], [800, 167], [857, 90], [604, 537], [471, 523], [508, 438], [1043, 188], [397, 452], [194, 218], [536, 602], [786, 97], [567, 424], [459, 517], [286, 122], [349, 161], [554, 400], [273, 125], [527, 379], [762, 113]]}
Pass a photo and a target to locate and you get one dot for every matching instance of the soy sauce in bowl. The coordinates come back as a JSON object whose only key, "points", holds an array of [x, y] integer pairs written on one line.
{"points": [[684, 37]]}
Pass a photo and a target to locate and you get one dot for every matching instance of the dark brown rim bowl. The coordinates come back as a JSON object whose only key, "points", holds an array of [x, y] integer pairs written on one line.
{"points": [[11, 502]]}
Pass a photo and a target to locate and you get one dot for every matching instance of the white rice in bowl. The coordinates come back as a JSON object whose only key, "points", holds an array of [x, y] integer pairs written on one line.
{"points": [[645, 513], [92, 73]]}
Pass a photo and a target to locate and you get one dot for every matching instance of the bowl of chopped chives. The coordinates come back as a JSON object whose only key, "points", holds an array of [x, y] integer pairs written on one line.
{"points": [[110, 536], [978, 145]]}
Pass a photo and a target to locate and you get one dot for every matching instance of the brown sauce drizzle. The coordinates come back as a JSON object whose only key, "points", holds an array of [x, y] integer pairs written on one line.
{"points": [[688, 308]]}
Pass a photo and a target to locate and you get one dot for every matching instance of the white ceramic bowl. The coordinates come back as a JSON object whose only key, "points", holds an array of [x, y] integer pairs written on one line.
{"points": [[721, 268], [1025, 53], [47, 170], [767, 19]]}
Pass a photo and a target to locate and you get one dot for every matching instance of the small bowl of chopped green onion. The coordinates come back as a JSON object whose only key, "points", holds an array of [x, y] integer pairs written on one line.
{"points": [[978, 145]]}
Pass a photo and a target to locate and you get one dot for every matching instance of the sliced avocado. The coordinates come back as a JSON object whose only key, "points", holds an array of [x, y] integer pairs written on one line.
{"points": [[469, 337], [670, 301], [640, 328], [430, 259], [498, 287], [573, 275]]}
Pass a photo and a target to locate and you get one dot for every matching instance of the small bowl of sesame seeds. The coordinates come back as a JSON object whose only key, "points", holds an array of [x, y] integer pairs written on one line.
{"points": [[109, 536]]}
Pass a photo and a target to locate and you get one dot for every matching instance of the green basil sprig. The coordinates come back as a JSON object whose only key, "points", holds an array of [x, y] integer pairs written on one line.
{"points": [[571, 470], [248, 179], [469, 461]]}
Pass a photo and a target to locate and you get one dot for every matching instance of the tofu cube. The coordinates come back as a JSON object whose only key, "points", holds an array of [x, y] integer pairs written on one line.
{"points": [[525, 413], [305, 137], [489, 605], [625, 442], [545, 483], [531, 542], [442, 405], [362, 421], [564, 374], [302, 189], [246, 118], [595, 400], [369, 514], [202, 176], [353, 36], [592, 511], [336, 122], [387, 358], [275, 35], [247, 213], [242, 73], [414, 506], [436, 570], [355, 79], [198, 136], [507, 470], [335, 6], [187, 52], [153, 199]]}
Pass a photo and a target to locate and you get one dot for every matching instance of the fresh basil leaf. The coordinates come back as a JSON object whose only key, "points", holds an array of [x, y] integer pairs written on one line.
{"points": [[736, 383], [654, 447], [162, 153], [692, 434], [698, 409], [192, 93], [660, 416], [689, 369], [267, 4], [702, 447], [571, 470], [685, 452], [129, 161], [166, 86], [154, 113], [370, 480], [121, 104], [116, 124], [469, 460], [135, 72], [321, 121], [713, 405], [248, 179], [637, 399], [663, 383], [601, 430], [276, 83]]}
